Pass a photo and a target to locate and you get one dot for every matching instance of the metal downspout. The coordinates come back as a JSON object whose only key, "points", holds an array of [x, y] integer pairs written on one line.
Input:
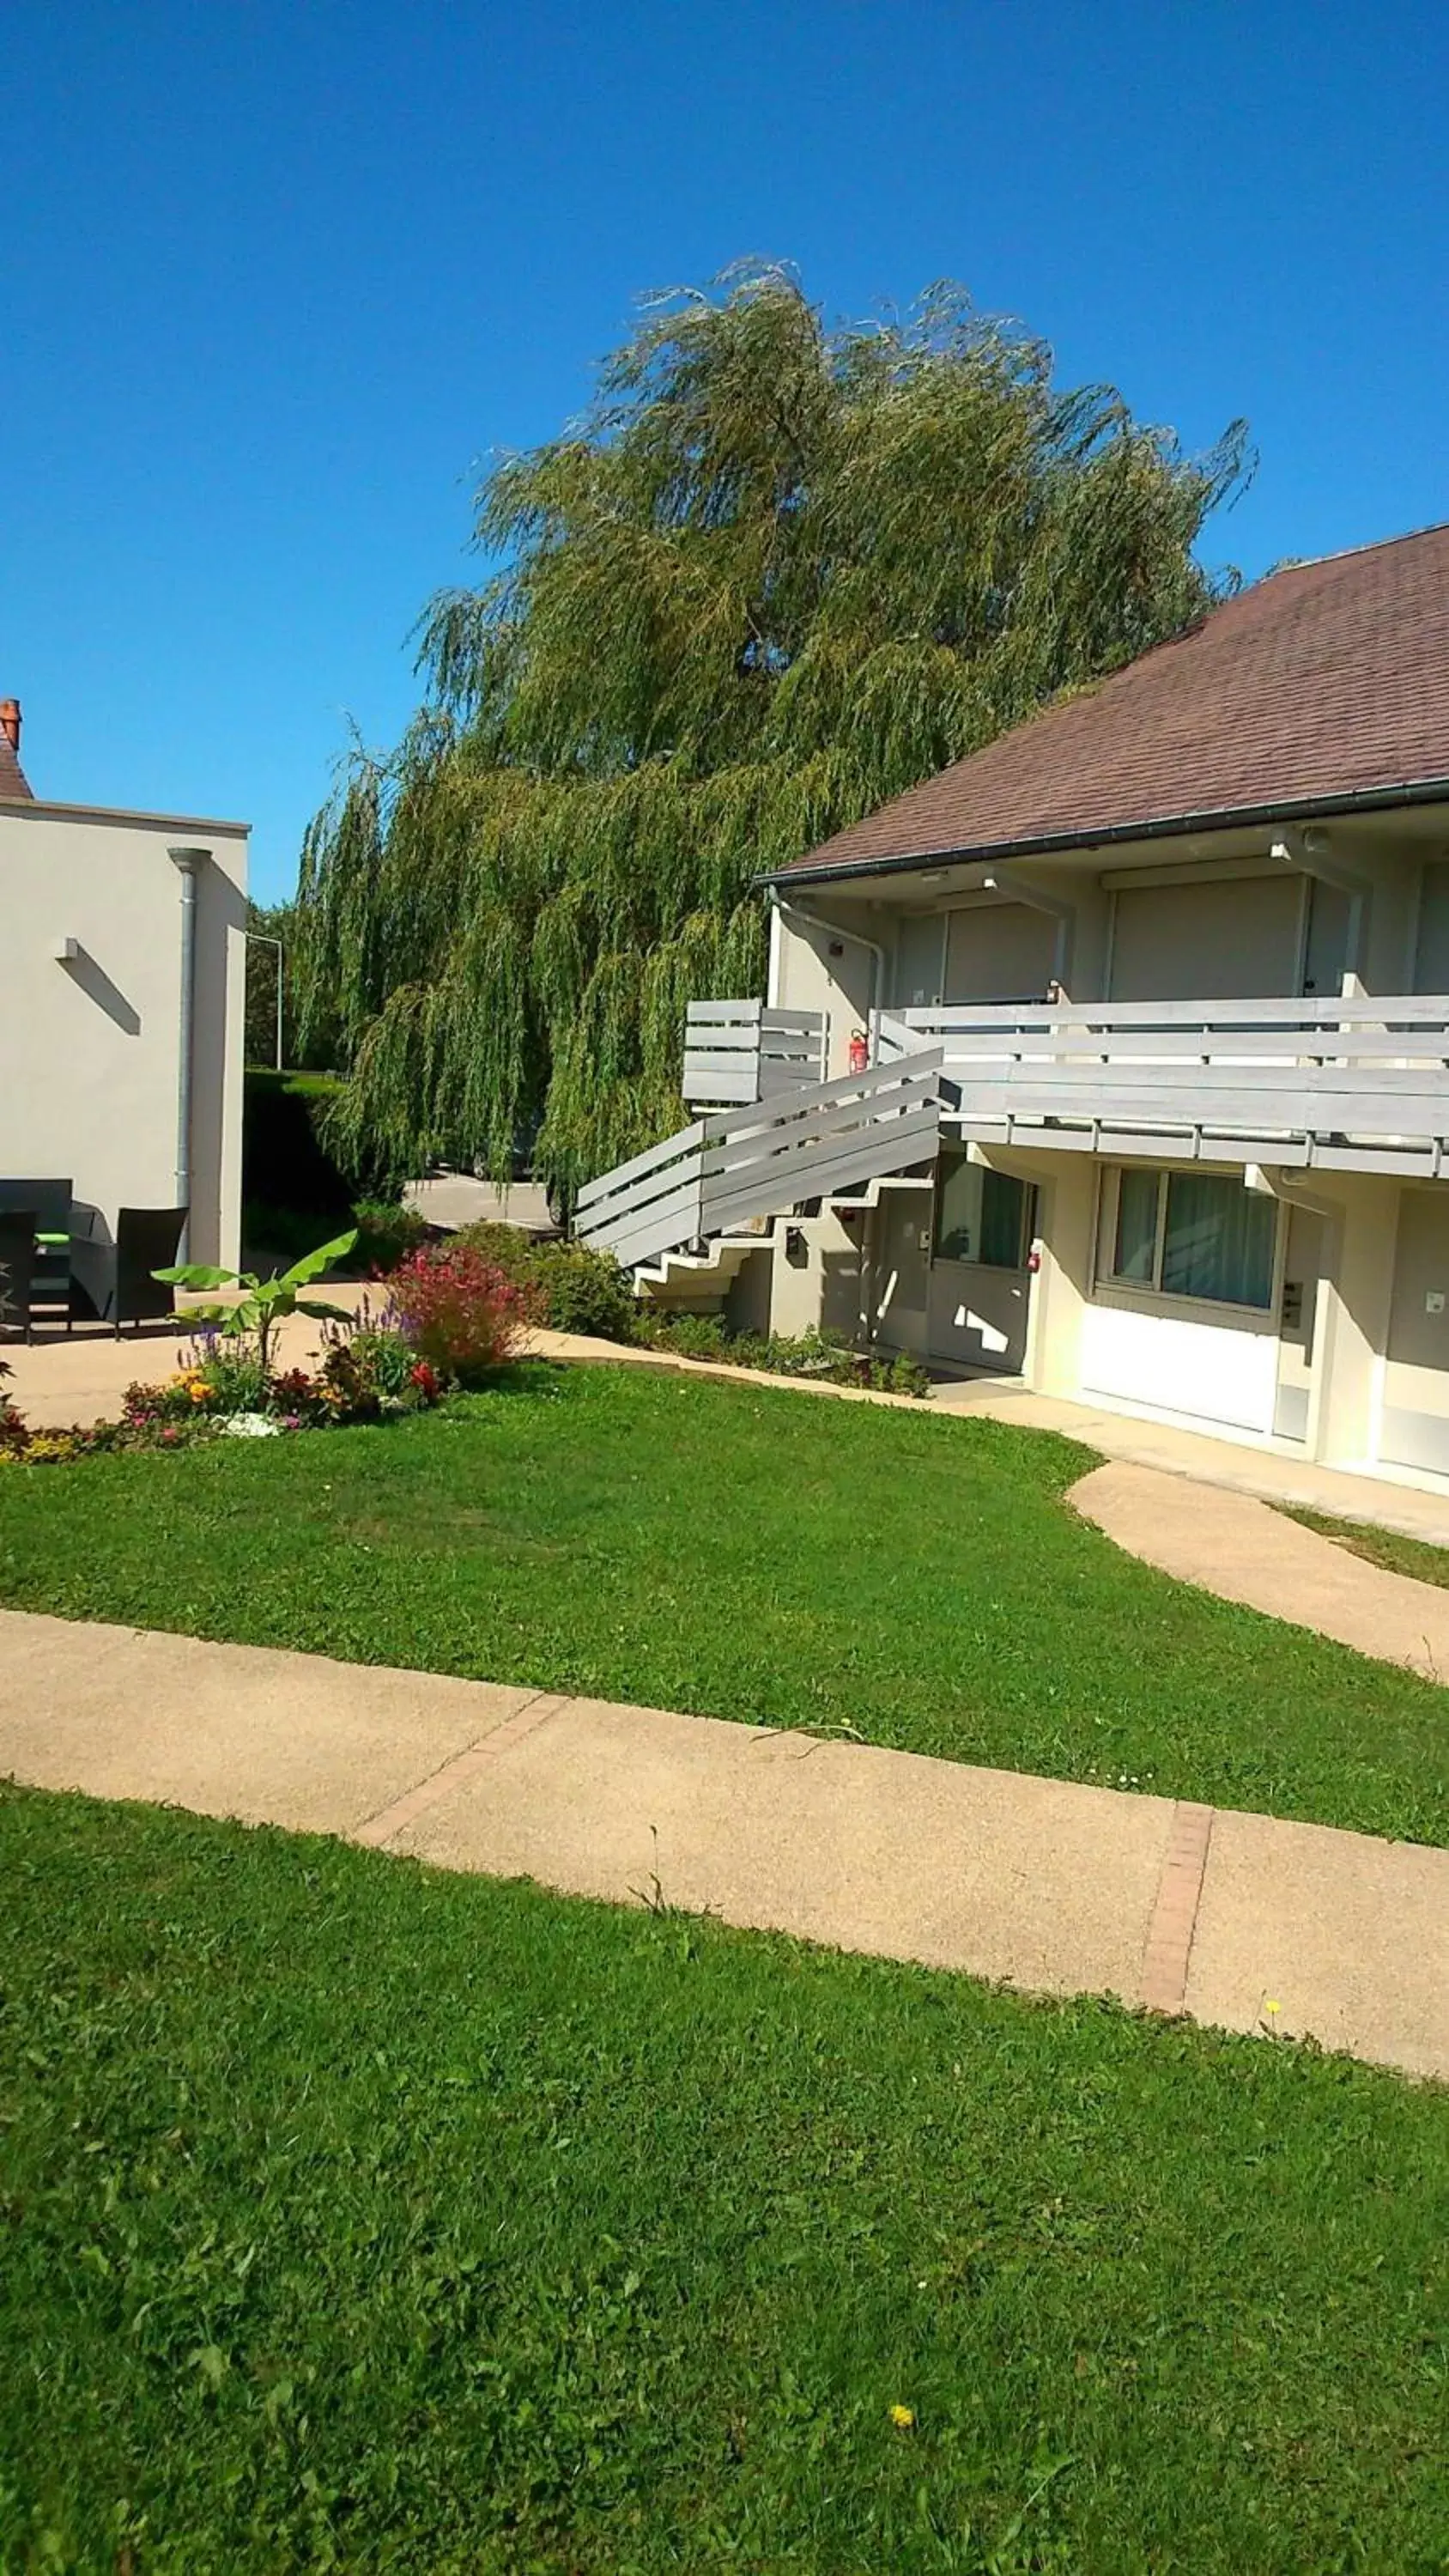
{"points": [[837, 930], [188, 862]]}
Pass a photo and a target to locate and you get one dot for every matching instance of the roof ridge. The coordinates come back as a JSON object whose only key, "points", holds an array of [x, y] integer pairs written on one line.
{"points": [[1344, 554]]}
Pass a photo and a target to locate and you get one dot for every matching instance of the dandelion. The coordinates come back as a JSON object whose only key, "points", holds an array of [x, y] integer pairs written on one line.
{"points": [[903, 2418]]}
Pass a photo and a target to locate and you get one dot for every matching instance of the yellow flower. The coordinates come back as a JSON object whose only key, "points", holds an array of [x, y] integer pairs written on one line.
{"points": [[1271, 2004], [903, 2417]]}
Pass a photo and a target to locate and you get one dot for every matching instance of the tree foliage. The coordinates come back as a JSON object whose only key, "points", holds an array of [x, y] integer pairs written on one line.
{"points": [[272, 944], [776, 574]]}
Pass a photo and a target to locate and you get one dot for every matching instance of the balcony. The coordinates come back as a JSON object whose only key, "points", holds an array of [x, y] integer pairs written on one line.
{"points": [[1328, 1085], [739, 1052]]}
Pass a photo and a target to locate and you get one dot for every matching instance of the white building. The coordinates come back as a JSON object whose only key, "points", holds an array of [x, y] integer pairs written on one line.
{"points": [[122, 978], [1154, 998]]}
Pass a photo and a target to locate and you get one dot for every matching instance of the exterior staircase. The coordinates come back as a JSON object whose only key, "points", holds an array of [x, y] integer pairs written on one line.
{"points": [[700, 1279], [685, 1215]]}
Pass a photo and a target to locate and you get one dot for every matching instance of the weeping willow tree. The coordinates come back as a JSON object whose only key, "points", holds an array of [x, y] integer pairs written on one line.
{"points": [[775, 575]]}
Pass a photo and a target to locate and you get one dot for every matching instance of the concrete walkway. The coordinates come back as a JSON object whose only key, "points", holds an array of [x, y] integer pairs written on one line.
{"points": [[1238, 1920], [1272, 1474], [452, 1199], [1243, 1551]]}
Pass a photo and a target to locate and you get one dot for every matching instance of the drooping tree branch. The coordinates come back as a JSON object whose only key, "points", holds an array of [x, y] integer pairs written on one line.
{"points": [[777, 574]]}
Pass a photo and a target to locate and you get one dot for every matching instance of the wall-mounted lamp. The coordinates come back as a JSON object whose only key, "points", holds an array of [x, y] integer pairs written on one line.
{"points": [[988, 885], [66, 951]]}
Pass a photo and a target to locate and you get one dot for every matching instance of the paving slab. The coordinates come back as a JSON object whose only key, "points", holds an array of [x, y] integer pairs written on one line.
{"points": [[247, 1731], [1047, 1884], [1244, 1551], [1306, 1932]]}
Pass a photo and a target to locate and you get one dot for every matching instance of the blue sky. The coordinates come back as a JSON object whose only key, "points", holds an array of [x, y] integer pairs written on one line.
{"points": [[276, 278]]}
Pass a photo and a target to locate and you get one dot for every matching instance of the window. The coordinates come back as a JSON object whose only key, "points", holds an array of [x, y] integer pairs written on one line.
{"points": [[1135, 1253], [1190, 1234], [980, 1216]]}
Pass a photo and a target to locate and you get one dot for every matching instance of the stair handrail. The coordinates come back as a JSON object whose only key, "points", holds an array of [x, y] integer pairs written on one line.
{"points": [[661, 1198]]}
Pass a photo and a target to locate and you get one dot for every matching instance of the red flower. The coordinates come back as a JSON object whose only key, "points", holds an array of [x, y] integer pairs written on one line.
{"points": [[459, 1312]]}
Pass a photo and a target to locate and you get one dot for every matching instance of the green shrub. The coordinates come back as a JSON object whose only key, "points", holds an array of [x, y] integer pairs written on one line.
{"points": [[386, 1233], [693, 1337], [580, 1291], [820, 1355], [278, 1233], [506, 1246], [570, 1288]]}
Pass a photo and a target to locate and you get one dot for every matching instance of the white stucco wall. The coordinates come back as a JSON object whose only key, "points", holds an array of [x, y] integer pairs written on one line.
{"points": [[1197, 1366], [89, 1050], [825, 967]]}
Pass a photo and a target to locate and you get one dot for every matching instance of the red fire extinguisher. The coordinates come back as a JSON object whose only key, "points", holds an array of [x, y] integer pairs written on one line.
{"points": [[859, 1051]]}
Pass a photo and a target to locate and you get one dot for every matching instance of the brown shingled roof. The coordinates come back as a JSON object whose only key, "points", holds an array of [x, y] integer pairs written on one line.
{"points": [[13, 781], [1323, 685]]}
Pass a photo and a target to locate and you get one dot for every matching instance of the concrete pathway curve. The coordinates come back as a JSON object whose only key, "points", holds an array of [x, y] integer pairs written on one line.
{"points": [[1230, 1544], [1238, 1920]]}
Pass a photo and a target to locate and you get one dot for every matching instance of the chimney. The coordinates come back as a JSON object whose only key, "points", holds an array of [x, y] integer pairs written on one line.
{"points": [[10, 723]]}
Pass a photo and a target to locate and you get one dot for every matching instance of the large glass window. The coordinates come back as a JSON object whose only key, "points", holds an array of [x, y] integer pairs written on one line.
{"points": [[1134, 1254], [980, 1215], [1218, 1240], [1192, 1234]]}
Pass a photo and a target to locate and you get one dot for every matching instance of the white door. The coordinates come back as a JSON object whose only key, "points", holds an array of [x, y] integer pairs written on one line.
{"points": [[980, 1289]]}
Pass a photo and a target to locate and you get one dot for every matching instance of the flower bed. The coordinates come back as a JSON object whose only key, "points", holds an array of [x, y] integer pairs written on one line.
{"points": [[449, 1322], [574, 1290], [366, 1374], [824, 1356]]}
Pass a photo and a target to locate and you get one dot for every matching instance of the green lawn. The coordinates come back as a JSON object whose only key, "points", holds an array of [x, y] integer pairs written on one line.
{"points": [[361, 2218], [1413, 1556], [742, 1553]]}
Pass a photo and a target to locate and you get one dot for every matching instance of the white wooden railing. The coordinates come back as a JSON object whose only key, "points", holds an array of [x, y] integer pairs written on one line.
{"points": [[738, 1164], [1359, 1085], [740, 1051]]}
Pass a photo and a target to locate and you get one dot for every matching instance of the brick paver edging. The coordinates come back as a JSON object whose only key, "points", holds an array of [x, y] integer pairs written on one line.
{"points": [[1174, 1917]]}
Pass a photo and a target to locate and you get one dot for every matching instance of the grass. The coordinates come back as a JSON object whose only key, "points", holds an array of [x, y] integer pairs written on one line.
{"points": [[750, 1554], [1402, 1555], [363, 2218]]}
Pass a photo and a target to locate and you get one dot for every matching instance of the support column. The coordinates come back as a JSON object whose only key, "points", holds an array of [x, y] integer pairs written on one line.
{"points": [[1355, 1296], [1062, 1288]]}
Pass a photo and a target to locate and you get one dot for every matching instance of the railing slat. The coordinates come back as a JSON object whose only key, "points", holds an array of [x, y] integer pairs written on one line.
{"points": [[651, 1158]]}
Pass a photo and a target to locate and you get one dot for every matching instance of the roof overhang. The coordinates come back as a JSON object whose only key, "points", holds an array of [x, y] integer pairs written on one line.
{"points": [[1303, 809], [40, 809]]}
